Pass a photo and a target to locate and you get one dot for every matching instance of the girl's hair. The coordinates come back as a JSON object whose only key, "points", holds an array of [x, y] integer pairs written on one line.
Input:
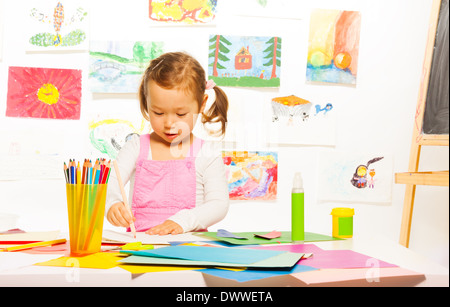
{"points": [[180, 71]]}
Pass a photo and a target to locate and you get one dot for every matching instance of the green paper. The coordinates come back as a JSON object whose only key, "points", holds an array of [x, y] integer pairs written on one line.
{"points": [[242, 256], [284, 260], [252, 240]]}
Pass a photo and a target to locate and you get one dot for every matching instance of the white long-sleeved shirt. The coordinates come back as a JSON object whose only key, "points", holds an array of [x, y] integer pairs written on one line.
{"points": [[212, 200]]}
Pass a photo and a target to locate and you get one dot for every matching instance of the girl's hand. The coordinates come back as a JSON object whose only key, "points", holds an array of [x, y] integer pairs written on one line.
{"points": [[168, 227], [118, 215]]}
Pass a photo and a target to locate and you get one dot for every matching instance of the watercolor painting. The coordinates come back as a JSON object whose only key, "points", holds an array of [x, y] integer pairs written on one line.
{"points": [[355, 177], [58, 26], [296, 120], [117, 67], [245, 61], [108, 134], [183, 12], [252, 175], [43, 93], [333, 46]]}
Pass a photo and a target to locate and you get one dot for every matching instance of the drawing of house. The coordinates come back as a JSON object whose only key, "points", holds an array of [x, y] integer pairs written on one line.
{"points": [[243, 59]]}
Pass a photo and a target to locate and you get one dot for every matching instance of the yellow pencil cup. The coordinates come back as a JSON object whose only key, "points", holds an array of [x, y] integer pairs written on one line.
{"points": [[343, 222], [86, 207]]}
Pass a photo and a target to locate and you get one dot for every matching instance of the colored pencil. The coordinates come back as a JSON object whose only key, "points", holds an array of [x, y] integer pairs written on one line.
{"points": [[78, 173], [66, 172], [31, 245], [124, 196], [72, 172]]}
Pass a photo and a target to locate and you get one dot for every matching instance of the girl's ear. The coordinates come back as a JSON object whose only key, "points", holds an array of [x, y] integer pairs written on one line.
{"points": [[205, 99]]}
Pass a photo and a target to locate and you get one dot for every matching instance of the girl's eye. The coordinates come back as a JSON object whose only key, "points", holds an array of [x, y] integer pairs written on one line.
{"points": [[156, 113], [181, 115]]}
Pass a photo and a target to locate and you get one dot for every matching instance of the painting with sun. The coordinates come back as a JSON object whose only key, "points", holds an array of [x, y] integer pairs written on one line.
{"points": [[333, 46], [43, 93]]}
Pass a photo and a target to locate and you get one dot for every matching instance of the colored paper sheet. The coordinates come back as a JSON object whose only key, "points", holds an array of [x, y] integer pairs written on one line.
{"points": [[252, 274], [343, 259], [28, 237], [62, 249], [284, 238], [293, 248], [360, 277], [110, 236], [331, 259], [242, 256], [284, 260], [226, 234], [140, 269], [94, 261], [271, 235]]}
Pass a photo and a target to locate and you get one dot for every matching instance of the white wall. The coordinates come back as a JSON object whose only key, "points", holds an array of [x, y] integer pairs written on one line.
{"points": [[376, 115]]}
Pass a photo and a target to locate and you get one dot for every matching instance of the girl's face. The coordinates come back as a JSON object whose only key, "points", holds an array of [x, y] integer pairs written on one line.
{"points": [[173, 113]]}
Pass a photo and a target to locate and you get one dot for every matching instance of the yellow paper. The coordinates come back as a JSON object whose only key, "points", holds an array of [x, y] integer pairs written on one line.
{"points": [[140, 269], [93, 261], [136, 246]]}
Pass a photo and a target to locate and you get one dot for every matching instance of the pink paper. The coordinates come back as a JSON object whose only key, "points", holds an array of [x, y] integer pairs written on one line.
{"points": [[293, 248], [54, 249], [271, 235], [359, 276], [332, 259]]}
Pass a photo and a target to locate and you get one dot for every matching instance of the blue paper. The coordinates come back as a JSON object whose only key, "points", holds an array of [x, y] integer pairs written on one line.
{"points": [[207, 253], [226, 234], [252, 274]]}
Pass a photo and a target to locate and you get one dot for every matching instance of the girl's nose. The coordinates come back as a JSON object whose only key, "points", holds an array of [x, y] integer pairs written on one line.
{"points": [[169, 122]]}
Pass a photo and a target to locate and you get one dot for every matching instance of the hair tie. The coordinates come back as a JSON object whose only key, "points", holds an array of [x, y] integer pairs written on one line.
{"points": [[210, 84]]}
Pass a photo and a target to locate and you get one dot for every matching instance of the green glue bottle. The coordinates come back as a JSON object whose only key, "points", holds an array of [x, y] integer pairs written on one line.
{"points": [[298, 210]]}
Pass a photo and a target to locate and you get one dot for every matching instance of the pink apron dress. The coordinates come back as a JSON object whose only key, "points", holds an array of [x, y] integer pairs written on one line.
{"points": [[162, 188]]}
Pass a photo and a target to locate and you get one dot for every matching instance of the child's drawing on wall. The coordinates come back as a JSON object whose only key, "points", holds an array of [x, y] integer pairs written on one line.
{"points": [[342, 177], [371, 180], [294, 121], [108, 135], [327, 108], [251, 175], [182, 11], [359, 179], [245, 61], [290, 108], [333, 46], [60, 26]]}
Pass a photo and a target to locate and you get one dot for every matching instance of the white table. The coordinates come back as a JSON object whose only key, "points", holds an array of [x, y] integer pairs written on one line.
{"points": [[379, 248]]}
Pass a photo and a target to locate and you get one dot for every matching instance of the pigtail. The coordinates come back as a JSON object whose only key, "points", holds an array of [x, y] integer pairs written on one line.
{"points": [[218, 110], [143, 99]]}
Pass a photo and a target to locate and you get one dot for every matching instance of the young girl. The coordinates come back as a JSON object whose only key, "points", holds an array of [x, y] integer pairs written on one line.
{"points": [[177, 181]]}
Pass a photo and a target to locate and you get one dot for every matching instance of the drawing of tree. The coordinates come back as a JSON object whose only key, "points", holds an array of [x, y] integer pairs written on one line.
{"points": [[274, 54], [143, 52], [217, 51]]}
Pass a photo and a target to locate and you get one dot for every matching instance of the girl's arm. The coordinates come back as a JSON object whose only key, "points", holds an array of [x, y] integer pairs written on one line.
{"points": [[126, 160]]}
